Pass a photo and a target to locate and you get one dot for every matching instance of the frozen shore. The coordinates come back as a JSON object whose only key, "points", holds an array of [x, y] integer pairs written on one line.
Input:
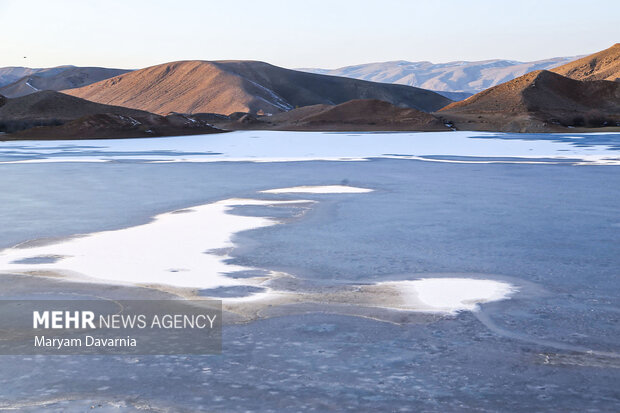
{"points": [[277, 146]]}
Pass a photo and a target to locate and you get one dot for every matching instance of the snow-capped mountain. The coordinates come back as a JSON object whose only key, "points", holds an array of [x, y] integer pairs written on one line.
{"points": [[459, 76]]}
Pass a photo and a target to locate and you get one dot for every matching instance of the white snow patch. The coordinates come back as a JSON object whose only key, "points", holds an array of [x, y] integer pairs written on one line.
{"points": [[188, 248], [58, 159], [134, 122], [450, 295], [277, 100], [326, 189], [173, 249], [34, 88]]}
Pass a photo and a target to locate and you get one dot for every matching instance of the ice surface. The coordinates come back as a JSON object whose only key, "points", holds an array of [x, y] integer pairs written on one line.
{"points": [[278, 146], [326, 189], [173, 249]]}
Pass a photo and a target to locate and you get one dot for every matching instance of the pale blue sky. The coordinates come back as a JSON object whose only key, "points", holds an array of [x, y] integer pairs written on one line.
{"points": [[316, 33]]}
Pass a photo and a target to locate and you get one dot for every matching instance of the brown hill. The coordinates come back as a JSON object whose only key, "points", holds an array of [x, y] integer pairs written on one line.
{"points": [[355, 115], [604, 65], [106, 126], [57, 78], [52, 108], [242, 86], [299, 114], [538, 101]]}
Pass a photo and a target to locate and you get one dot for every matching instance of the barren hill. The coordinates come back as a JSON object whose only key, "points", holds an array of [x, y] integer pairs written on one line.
{"points": [[604, 65], [355, 115], [242, 86], [54, 115], [57, 78], [538, 101], [52, 108], [371, 113], [109, 125]]}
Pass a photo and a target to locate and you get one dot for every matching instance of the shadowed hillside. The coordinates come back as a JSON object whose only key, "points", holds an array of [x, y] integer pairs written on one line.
{"points": [[114, 126], [355, 115], [51, 108]]}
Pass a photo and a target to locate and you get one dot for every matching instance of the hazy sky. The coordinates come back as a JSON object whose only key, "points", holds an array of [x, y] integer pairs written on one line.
{"points": [[293, 33]]}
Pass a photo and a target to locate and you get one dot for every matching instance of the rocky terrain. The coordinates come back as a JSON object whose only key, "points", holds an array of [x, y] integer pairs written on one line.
{"points": [[604, 65]]}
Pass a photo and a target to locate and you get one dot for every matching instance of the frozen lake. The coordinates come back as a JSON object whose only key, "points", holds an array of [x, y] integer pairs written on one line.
{"points": [[269, 146], [539, 213]]}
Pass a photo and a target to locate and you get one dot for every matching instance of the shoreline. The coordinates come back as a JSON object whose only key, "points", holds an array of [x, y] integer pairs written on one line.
{"points": [[275, 146]]}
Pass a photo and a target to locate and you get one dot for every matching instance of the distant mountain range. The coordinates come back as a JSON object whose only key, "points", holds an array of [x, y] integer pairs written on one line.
{"points": [[243, 86], [22, 81], [456, 80]]}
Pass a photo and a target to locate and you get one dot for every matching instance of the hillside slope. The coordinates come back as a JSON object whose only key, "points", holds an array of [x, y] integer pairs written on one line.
{"points": [[52, 108], [54, 115], [115, 126], [242, 86], [538, 101], [57, 78], [355, 115], [604, 65]]}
